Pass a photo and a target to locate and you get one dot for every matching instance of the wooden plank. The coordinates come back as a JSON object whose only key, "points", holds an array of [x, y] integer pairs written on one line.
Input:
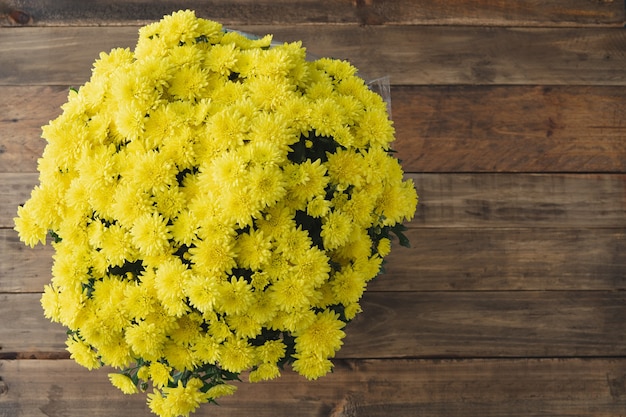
{"points": [[478, 259], [438, 128], [23, 269], [520, 200], [410, 55], [457, 324], [482, 259], [465, 200], [463, 12], [510, 129], [24, 111], [371, 388]]}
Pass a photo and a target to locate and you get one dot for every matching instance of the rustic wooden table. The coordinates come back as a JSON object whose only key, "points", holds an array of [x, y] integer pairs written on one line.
{"points": [[511, 119]]}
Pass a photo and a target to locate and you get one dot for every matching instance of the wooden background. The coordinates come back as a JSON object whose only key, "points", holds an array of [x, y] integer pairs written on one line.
{"points": [[511, 119]]}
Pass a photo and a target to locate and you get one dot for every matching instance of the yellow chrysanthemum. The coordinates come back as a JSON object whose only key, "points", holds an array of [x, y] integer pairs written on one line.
{"points": [[221, 390], [147, 339], [202, 291], [291, 292], [348, 286], [264, 372], [150, 234], [123, 383], [237, 355], [323, 337], [336, 229], [160, 374], [214, 200], [253, 249], [82, 353], [235, 296], [213, 255], [311, 365], [222, 59], [183, 399]]}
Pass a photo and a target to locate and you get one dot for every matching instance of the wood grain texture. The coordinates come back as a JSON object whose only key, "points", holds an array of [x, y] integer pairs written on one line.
{"points": [[438, 128], [410, 324], [440, 259], [457, 12], [410, 55], [480, 259], [465, 200], [520, 200], [23, 269], [510, 129], [370, 388]]}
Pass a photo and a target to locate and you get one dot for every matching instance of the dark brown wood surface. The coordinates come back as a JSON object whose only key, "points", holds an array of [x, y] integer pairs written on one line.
{"points": [[370, 388], [420, 54], [370, 12], [510, 118]]}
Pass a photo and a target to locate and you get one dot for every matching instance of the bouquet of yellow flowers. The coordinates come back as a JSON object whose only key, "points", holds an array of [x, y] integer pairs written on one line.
{"points": [[218, 205]]}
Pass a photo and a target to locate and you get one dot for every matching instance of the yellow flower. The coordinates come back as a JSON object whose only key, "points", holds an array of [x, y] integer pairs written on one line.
{"points": [[346, 167], [264, 372], [178, 356], [178, 28], [202, 291], [151, 170], [109, 63], [116, 353], [123, 383], [185, 227], [318, 206], [222, 58], [311, 365], [336, 229], [150, 234], [384, 247], [292, 242], [237, 355], [139, 301], [312, 265], [271, 351], [292, 292], [323, 337], [348, 285], [50, 303], [183, 399], [170, 202], [82, 353], [170, 282], [397, 202], [327, 116], [221, 390], [292, 320], [206, 350], [266, 184], [253, 249], [160, 374], [235, 296], [189, 83], [147, 339], [228, 129], [213, 198], [130, 203], [313, 180], [213, 255], [245, 326], [116, 245]]}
